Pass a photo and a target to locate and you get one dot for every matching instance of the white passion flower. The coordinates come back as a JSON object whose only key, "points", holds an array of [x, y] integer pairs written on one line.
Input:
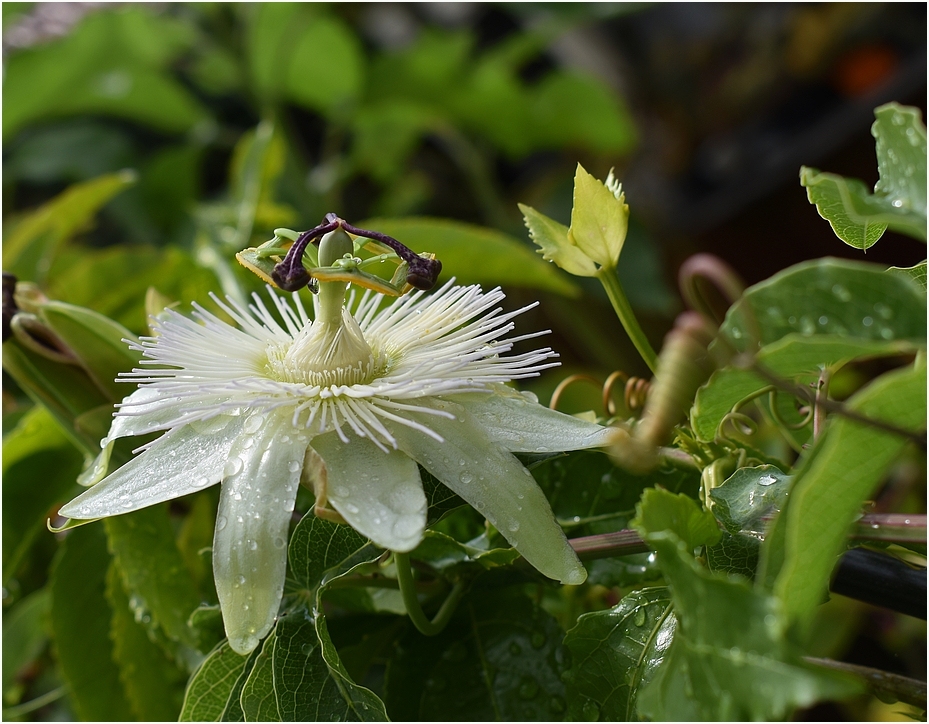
{"points": [[370, 392]]}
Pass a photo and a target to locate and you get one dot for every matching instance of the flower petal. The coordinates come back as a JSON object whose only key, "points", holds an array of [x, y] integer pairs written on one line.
{"points": [[380, 494], [180, 462], [521, 424], [495, 483], [250, 539]]}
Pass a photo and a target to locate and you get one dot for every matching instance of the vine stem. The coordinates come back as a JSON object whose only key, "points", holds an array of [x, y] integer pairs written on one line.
{"points": [[411, 600], [910, 691], [614, 290], [890, 527]]}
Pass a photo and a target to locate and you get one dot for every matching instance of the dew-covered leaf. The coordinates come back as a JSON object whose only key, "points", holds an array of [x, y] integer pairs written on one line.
{"points": [[160, 585], [815, 315], [899, 200], [212, 684], [730, 654], [154, 685], [847, 299], [616, 652], [833, 481], [748, 495], [501, 658], [476, 255], [80, 623]]}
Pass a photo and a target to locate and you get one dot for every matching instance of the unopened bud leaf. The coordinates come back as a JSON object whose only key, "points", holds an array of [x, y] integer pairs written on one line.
{"points": [[599, 219], [555, 243]]}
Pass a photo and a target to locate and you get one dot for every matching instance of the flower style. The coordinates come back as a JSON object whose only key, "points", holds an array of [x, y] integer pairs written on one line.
{"points": [[351, 401]]}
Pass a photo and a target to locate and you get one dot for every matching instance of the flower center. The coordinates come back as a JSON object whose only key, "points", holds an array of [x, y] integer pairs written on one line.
{"points": [[332, 350], [325, 354]]}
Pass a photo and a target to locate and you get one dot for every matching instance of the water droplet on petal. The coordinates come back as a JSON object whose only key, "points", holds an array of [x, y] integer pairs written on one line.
{"points": [[253, 545], [233, 466], [294, 466], [767, 480], [279, 542], [465, 477], [221, 522], [639, 618], [253, 423], [240, 580], [513, 526]]}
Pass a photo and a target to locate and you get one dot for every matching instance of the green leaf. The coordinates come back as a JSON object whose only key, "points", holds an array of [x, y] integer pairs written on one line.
{"points": [[678, 515], [40, 465], [747, 495], [310, 682], [555, 245], [899, 199], [569, 110], [233, 710], [475, 255], [97, 341], [25, 635], [211, 686], [153, 685], [318, 546], [32, 243], [814, 315], [835, 198], [917, 273], [852, 300], [834, 479], [589, 494], [259, 700], [85, 277], [740, 504], [500, 659], [80, 618], [65, 390], [440, 498], [326, 66], [730, 654], [599, 219], [616, 652], [159, 584], [441, 552], [111, 63], [900, 137], [734, 554]]}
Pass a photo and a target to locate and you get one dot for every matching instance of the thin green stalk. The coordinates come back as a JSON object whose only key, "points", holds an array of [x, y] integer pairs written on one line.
{"points": [[411, 600], [20, 710], [614, 290]]}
